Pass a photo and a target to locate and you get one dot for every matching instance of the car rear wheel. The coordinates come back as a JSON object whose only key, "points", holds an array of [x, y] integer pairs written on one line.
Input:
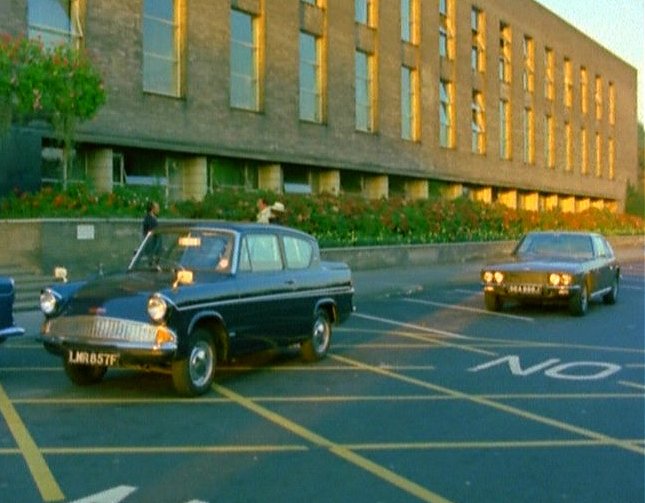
{"points": [[492, 301], [194, 374], [612, 296], [317, 345], [84, 375], [579, 301]]}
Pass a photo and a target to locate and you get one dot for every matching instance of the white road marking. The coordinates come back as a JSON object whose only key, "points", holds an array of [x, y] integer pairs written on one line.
{"points": [[470, 309]]}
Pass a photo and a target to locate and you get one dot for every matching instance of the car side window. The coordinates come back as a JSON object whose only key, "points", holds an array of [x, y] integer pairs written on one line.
{"points": [[260, 252], [298, 252], [600, 248]]}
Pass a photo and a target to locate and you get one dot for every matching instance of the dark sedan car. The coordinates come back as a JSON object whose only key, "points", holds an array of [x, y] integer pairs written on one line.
{"points": [[567, 267], [197, 295], [8, 327]]}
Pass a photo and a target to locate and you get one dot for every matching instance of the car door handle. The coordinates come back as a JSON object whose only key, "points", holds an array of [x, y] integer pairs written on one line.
{"points": [[290, 282]]}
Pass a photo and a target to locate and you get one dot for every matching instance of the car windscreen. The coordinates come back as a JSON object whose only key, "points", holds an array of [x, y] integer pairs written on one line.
{"points": [[572, 246], [201, 250]]}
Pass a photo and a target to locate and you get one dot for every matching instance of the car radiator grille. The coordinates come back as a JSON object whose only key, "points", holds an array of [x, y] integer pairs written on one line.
{"points": [[104, 328]]}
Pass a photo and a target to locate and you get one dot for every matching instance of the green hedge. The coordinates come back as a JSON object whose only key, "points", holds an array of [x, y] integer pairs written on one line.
{"points": [[347, 220]]}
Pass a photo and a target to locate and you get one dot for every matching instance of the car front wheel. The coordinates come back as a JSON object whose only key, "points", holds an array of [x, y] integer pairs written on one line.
{"points": [[579, 301], [193, 375], [316, 346], [84, 375]]}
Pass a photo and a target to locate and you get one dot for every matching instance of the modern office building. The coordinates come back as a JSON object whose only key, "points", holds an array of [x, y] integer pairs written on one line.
{"points": [[495, 99]]}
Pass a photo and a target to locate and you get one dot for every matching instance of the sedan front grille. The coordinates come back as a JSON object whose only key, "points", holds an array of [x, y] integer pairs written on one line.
{"points": [[102, 328]]}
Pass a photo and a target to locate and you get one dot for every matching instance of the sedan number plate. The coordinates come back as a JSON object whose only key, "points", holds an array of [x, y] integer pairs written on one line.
{"points": [[525, 289], [92, 358]]}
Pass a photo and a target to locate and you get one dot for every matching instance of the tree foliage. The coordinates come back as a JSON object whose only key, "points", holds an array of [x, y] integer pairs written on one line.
{"points": [[58, 85]]}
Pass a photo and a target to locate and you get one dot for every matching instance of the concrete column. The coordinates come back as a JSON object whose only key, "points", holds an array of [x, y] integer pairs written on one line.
{"points": [[416, 189], [194, 177], [328, 182], [482, 195], [583, 204], [548, 202], [270, 178], [452, 191], [530, 202], [99, 169], [567, 204], [508, 198], [598, 204], [376, 186]]}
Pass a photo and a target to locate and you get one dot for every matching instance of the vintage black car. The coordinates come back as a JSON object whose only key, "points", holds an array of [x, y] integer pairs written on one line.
{"points": [[8, 326], [194, 296], [567, 267]]}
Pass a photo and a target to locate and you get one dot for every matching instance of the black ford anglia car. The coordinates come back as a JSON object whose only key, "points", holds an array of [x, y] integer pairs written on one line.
{"points": [[197, 295]]}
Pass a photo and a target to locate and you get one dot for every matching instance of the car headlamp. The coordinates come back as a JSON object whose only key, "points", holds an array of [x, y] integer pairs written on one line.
{"points": [[498, 276], [157, 308], [488, 276], [48, 301], [556, 279]]}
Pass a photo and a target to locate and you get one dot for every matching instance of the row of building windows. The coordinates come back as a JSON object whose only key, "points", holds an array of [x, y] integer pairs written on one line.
{"points": [[56, 21]]}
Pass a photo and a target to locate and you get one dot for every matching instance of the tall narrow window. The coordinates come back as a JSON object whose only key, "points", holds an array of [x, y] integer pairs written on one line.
{"points": [[612, 104], [505, 53], [244, 83], [364, 12], [584, 152], [161, 47], [598, 155], [528, 77], [478, 123], [409, 103], [584, 90], [446, 114], [364, 85], [410, 21], [478, 43], [529, 136], [310, 79], [549, 74], [568, 145], [611, 158], [54, 22], [505, 151], [568, 83], [549, 141], [447, 29], [598, 97]]}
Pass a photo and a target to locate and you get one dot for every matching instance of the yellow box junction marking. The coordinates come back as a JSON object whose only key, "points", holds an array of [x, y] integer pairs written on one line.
{"points": [[42, 475]]}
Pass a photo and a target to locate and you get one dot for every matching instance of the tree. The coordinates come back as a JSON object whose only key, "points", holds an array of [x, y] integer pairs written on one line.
{"points": [[58, 85]]}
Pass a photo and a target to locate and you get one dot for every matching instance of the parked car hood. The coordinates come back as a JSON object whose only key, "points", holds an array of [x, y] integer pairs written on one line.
{"points": [[545, 264], [126, 295]]}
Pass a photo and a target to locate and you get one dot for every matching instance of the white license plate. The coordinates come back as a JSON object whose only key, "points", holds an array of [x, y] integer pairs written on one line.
{"points": [[92, 358], [525, 289]]}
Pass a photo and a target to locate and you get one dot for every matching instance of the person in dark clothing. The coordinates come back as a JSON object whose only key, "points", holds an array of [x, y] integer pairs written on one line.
{"points": [[150, 220]]}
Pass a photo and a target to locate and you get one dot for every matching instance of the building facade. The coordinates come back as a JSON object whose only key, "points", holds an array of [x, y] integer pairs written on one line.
{"points": [[501, 101]]}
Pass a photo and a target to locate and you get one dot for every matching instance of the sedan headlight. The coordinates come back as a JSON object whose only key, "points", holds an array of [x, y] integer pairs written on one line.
{"points": [[490, 276], [157, 308], [560, 279], [48, 301]]}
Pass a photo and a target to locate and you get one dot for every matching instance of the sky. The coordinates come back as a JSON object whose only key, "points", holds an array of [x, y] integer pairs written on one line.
{"points": [[614, 24]]}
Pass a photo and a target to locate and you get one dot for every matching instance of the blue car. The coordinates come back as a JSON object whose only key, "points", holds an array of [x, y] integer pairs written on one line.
{"points": [[8, 327]]}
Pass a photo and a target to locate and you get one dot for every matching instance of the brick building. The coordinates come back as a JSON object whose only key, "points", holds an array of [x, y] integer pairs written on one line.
{"points": [[497, 100]]}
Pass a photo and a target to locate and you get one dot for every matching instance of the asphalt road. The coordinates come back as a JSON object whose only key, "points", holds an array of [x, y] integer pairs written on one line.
{"points": [[425, 396]]}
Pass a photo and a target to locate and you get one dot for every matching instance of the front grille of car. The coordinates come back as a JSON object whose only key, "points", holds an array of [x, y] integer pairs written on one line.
{"points": [[103, 328], [528, 277]]}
